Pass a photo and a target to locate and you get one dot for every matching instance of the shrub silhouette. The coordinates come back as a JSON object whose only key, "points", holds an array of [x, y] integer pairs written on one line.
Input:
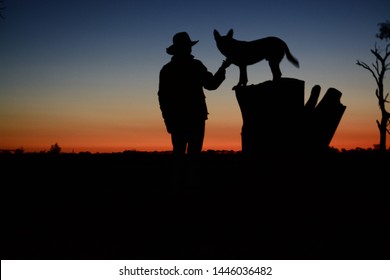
{"points": [[55, 149]]}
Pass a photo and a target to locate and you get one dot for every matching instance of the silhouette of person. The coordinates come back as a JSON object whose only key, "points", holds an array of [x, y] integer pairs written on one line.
{"points": [[182, 99]]}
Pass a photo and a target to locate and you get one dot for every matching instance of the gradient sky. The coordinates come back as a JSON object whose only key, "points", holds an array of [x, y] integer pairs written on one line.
{"points": [[84, 74]]}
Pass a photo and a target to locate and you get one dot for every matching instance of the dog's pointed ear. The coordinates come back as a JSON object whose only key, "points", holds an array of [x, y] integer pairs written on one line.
{"points": [[216, 34], [230, 33]]}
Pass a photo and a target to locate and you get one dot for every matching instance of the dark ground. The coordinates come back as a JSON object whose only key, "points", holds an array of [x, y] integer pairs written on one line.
{"points": [[120, 206]]}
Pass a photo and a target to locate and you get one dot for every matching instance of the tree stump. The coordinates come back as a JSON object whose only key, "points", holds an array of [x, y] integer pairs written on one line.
{"points": [[272, 115]]}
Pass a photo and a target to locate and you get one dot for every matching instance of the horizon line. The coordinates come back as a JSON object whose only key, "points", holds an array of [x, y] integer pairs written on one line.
{"points": [[168, 151]]}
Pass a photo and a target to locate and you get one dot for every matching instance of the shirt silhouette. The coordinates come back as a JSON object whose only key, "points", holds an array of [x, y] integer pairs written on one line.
{"points": [[181, 96]]}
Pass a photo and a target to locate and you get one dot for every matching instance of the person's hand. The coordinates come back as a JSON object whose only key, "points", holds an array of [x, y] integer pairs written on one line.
{"points": [[226, 63], [169, 125]]}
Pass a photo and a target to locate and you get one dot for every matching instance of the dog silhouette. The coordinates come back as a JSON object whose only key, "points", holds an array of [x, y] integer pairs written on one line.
{"points": [[244, 53]]}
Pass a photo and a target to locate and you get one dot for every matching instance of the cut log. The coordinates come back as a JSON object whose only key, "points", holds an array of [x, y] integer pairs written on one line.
{"points": [[322, 122]]}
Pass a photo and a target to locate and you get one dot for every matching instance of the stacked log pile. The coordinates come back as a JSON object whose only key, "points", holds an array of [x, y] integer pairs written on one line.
{"points": [[276, 118]]}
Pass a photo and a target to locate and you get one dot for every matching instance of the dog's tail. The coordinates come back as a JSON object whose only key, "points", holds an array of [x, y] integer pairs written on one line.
{"points": [[291, 58]]}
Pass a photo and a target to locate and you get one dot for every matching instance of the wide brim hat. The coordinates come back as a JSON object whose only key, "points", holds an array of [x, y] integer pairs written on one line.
{"points": [[180, 40]]}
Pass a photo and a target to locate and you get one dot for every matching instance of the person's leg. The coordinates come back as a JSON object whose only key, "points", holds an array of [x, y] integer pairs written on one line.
{"points": [[196, 137], [195, 145], [179, 143]]}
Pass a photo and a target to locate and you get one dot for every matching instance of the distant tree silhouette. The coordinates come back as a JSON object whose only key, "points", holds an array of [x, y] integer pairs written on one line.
{"points": [[19, 151], [378, 70], [55, 149], [384, 30]]}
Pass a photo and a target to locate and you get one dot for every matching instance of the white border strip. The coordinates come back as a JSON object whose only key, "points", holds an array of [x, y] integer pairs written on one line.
{"points": [[195, 269]]}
